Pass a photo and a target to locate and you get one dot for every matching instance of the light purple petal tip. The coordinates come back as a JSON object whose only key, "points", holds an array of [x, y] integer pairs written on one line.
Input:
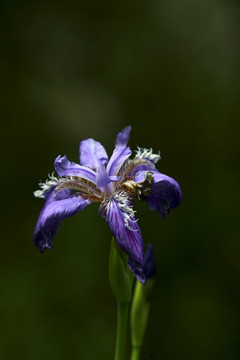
{"points": [[55, 209], [64, 167], [123, 137], [92, 154]]}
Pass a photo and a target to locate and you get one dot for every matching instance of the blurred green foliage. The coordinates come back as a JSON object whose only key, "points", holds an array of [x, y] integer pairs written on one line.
{"points": [[75, 70]]}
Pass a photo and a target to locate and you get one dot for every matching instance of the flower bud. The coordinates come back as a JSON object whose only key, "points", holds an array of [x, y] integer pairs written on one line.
{"points": [[141, 304]]}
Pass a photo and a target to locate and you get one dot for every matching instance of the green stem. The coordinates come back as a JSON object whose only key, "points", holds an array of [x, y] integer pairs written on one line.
{"points": [[121, 331], [136, 350]]}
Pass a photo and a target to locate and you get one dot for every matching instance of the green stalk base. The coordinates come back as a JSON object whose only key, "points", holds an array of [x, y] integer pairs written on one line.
{"points": [[136, 350], [121, 331]]}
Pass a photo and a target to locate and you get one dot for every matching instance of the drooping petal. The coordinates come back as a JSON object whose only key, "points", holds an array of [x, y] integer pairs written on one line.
{"points": [[165, 192], [92, 154], [119, 215], [56, 208], [64, 167], [137, 269], [120, 153]]}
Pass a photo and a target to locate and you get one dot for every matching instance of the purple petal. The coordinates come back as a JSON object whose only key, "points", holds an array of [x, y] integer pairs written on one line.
{"points": [[64, 167], [140, 171], [120, 153], [92, 154], [149, 265], [165, 192], [47, 187], [123, 137], [125, 231], [55, 209], [137, 270], [103, 179]]}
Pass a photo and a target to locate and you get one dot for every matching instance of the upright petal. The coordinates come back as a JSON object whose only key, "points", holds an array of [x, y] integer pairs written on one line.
{"points": [[92, 154], [55, 209], [64, 167], [123, 137], [102, 177], [119, 215], [120, 153]]}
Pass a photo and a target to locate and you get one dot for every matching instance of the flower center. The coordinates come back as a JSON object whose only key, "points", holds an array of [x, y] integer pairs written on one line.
{"points": [[127, 176]]}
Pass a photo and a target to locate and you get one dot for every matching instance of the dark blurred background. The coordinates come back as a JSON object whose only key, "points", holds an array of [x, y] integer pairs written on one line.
{"points": [[70, 71]]}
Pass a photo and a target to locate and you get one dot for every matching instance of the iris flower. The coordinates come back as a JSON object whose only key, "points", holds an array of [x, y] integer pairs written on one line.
{"points": [[114, 184]]}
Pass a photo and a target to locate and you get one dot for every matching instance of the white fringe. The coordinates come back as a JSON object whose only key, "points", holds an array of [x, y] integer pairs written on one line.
{"points": [[142, 153], [47, 185], [127, 210]]}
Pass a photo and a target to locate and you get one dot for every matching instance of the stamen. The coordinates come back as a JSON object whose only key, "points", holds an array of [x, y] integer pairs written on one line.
{"points": [[123, 167], [131, 186], [140, 190], [144, 188], [129, 168], [85, 187]]}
